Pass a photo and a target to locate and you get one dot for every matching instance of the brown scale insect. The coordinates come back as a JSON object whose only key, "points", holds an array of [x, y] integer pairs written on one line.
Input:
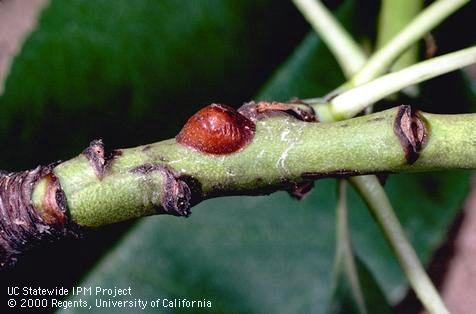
{"points": [[218, 130]]}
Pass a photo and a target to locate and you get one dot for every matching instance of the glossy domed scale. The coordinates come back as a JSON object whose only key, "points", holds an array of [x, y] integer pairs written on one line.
{"points": [[218, 130]]}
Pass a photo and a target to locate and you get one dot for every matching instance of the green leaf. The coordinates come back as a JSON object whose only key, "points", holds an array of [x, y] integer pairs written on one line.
{"points": [[244, 254]]}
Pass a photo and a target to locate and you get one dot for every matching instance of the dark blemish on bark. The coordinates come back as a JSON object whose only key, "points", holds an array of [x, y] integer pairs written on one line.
{"points": [[147, 168], [176, 195], [312, 116], [295, 189], [343, 173], [302, 189], [382, 178], [343, 125], [176, 198], [146, 149], [331, 174], [21, 225], [412, 132], [195, 188], [179, 193], [116, 153], [259, 180], [375, 119], [96, 155], [297, 100], [218, 190], [250, 111], [264, 188], [329, 97], [263, 109], [54, 201]]}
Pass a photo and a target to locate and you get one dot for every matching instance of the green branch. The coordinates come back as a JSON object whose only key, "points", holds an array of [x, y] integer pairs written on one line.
{"points": [[393, 17], [422, 24], [348, 53], [284, 153], [351, 102]]}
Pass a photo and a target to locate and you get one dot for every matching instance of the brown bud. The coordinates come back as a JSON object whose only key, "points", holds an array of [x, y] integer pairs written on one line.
{"points": [[411, 130], [217, 129]]}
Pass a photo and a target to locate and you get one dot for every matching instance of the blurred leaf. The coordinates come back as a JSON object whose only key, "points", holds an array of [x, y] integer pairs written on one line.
{"points": [[426, 204], [354, 289], [343, 300], [244, 254]]}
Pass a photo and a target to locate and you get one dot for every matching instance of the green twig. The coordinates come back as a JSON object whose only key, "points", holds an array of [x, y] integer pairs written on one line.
{"points": [[422, 24], [351, 102], [378, 202], [393, 17], [347, 52]]}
